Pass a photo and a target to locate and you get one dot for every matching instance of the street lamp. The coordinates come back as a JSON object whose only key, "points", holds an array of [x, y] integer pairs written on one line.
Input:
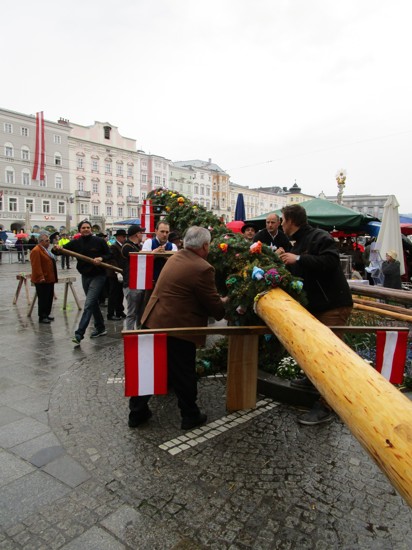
{"points": [[340, 179]]}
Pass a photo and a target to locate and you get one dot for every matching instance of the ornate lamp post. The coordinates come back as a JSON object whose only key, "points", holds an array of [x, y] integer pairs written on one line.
{"points": [[340, 179]]}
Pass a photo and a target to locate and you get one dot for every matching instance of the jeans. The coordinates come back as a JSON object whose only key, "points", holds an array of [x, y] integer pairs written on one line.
{"points": [[134, 303], [92, 287]]}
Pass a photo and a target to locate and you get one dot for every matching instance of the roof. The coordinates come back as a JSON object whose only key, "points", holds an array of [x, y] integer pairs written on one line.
{"points": [[207, 165]]}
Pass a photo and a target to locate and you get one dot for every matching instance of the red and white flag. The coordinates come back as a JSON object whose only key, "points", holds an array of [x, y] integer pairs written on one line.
{"points": [[391, 348], [147, 207], [145, 364], [141, 271], [39, 158], [147, 216]]}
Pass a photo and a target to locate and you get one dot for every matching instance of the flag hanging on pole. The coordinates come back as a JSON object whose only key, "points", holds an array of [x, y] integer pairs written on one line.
{"points": [[145, 364], [147, 216], [391, 348], [141, 271], [39, 158]]}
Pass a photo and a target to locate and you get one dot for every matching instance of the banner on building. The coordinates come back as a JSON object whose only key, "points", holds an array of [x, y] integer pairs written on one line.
{"points": [[39, 158]]}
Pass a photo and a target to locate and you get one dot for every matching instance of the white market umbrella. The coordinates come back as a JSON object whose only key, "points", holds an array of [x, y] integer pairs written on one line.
{"points": [[389, 237]]}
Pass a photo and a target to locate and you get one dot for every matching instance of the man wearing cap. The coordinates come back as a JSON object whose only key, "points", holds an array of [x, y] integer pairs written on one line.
{"points": [[64, 239], [115, 308], [391, 269], [134, 297], [249, 231], [272, 236]]}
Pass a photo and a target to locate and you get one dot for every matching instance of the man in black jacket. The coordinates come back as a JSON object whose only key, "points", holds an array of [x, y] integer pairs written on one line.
{"points": [[272, 236], [134, 297], [315, 258], [93, 278]]}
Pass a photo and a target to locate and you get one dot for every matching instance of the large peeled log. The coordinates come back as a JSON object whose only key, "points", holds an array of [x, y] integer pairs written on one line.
{"points": [[377, 414]]}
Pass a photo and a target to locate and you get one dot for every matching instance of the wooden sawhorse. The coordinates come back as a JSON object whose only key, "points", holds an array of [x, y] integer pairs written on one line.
{"points": [[68, 283], [22, 278]]}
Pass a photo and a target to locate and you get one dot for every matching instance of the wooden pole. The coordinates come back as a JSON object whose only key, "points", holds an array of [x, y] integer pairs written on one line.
{"points": [[377, 414], [387, 307], [89, 260], [384, 312]]}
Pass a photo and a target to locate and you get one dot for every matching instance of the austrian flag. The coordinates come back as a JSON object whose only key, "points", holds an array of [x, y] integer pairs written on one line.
{"points": [[391, 348], [145, 364], [39, 162], [141, 271]]}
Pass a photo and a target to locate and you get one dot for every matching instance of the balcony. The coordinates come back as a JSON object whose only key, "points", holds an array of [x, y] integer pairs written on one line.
{"points": [[82, 194], [132, 200]]}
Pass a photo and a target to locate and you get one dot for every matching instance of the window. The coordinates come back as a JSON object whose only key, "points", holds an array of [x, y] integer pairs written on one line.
{"points": [[130, 192], [80, 185], [109, 190], [120, 211], [24, 131], [144, 163], [9, 175], [8, 150], [30, 205], [196, 189], [57, 139], [25, 178], [133, 212], [25, 153], [12, 204], [58, 159], [108, 167], [95, 165], [45, 207], [80, 163], [84, 208], [108, 210], [95, 210], [106, 130], [58, 181], [119, 191], [95, 188], [43, 183], [130, 171], [61, 207], [8, 128], [144, 178], [119, 169], [157, 180]]}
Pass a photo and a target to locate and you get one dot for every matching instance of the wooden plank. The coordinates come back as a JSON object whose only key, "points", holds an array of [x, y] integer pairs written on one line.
{"points": [[242, 369], [399, 296], [384, 312]]}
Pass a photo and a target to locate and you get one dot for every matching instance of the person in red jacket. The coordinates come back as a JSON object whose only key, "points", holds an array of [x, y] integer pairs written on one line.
{"points": [[44, 276]]}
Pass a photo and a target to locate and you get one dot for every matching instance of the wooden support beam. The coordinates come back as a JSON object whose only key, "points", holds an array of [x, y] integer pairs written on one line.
{"points": [[242, 361], [377, 414]]}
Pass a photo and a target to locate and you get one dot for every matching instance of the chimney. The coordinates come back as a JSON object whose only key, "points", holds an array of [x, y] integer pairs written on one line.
{"points": [[64, 121]]}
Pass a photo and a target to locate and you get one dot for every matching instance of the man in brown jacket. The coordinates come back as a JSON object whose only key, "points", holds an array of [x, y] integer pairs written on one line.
{"points": [[185, 296], [43, 275]]}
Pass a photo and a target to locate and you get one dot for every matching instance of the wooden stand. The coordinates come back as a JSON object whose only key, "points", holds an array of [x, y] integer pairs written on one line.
{"points": [[68, 283], [22, 278]]}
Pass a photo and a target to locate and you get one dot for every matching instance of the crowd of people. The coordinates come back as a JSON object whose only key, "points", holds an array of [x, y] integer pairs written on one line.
{"points": [[186, 277]]}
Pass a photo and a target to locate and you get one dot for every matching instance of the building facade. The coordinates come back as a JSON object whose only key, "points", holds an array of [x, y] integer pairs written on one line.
{"points": [[367, 204], [26, 203]]}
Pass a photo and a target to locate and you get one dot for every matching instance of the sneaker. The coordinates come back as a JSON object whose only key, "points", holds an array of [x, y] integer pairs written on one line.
{"points": [[137, 419], [303, 384], [96, 333], [189, 422], [76, 341], [317, 415]]}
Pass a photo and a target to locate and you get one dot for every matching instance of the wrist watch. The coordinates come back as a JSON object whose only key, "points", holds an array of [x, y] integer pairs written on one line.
{"points": [[297, 258]]}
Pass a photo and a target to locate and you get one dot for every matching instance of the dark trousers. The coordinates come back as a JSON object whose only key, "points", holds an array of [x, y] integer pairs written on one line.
{"points": [[45, 295], [115, 300], [65, 261], [181, 369]]}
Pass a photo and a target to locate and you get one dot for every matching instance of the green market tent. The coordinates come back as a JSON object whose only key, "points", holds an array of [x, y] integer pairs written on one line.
{"points": [[326, 215]]}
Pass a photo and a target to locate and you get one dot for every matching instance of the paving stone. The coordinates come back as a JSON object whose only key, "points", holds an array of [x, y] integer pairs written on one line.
{"points": [[8, 415], [40, 450], [12, 467], [20, 431], [27, 494], [67, 470], [94, 539]]}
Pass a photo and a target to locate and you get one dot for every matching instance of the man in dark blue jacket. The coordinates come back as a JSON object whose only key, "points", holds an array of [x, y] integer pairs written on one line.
{"points": [[314, 257]]}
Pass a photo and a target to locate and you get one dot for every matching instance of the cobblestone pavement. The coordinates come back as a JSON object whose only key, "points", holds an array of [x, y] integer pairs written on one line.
{"points": [[74, 476]]}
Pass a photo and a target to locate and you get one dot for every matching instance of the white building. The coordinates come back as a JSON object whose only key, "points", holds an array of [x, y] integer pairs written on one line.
{"points": [[42, 203]]}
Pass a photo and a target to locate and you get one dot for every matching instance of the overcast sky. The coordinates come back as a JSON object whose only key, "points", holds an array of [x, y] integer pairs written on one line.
{"points": [[272, 90]]}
